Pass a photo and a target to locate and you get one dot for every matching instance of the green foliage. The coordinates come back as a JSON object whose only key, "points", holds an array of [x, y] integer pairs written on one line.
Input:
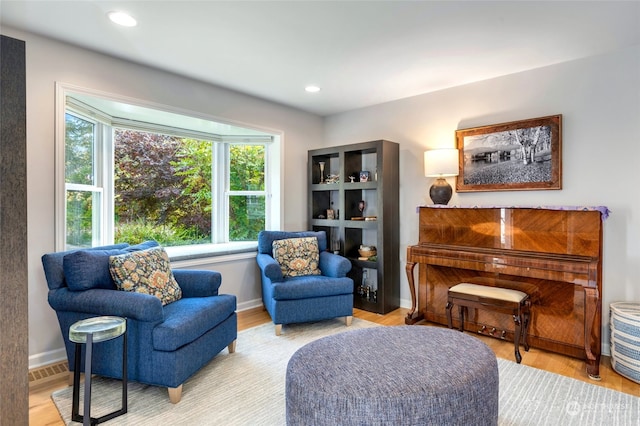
{"points": [[139, 231], [79, 170], [246, 217], [246, 212], [193, 166], [78, 164], [162, 187], [165, 180], [79, 212], [246, 169]]}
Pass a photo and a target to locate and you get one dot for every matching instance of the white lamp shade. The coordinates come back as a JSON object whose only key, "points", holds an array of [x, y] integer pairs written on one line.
{"points": [[441, 162]]}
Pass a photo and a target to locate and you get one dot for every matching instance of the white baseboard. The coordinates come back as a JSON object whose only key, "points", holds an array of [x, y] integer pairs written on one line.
{"points": [[47, 358], [255, 303], [405, 303], [258, 302], [250, 304]]}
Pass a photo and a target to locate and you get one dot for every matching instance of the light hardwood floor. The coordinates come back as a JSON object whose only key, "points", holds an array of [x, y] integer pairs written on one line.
{"points": [[42, 411]]}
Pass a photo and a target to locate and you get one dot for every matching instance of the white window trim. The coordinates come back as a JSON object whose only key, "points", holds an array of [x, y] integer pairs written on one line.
{"points": [[273, 171]]}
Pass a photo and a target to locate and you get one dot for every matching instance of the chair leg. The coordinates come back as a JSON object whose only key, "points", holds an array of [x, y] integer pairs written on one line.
{"points": [[525, 325], [278, 329], [516, 336], [461, 314], [347, 320], [175, 394], [232, 347], [449, 319]]}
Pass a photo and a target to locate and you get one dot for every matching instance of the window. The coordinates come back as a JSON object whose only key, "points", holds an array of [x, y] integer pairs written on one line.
{"points": [[84, 197], [162, 188], [133, 173], [246, 195]]}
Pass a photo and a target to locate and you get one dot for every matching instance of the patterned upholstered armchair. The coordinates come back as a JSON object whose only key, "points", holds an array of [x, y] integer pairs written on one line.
{"points": [[301, 280], [167, 341]]}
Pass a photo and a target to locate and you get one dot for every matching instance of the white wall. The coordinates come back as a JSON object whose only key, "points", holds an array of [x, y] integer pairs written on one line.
{"points": [[49, 62], [599, 99]]}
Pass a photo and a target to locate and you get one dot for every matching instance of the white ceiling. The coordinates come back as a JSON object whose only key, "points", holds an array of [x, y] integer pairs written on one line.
{"points": [[359, 52]]}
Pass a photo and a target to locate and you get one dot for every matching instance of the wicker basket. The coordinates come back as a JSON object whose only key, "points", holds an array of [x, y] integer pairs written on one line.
{"points": [[367, 253], [625, 339]]}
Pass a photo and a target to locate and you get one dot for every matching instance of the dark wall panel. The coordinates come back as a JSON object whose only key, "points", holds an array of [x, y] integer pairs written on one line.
{"points": [[14, 343]]}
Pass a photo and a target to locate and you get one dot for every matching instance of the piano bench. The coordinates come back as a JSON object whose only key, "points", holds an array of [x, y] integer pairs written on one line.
{"points": [[496, 299]]}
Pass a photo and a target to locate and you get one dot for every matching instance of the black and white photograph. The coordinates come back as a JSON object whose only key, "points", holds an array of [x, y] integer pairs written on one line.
{"points": [[520, 155]]}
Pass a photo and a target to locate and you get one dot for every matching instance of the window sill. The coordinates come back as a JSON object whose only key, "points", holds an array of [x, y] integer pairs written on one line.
{"points": [[211, 253]]}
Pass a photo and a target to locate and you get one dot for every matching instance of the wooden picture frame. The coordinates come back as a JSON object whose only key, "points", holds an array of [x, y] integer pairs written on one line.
{"points": [[519, 155]]}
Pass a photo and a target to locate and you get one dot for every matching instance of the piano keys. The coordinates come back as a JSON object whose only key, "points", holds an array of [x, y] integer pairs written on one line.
{"points": [[554, 255]]}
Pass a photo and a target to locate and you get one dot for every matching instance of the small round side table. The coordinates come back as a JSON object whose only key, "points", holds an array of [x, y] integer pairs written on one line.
{"points": [[90, 331]]}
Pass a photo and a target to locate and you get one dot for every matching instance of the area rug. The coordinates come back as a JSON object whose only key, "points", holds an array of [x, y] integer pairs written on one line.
{"points": [[247, 388]]}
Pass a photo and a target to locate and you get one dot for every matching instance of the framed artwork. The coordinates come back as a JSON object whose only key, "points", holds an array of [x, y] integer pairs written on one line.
{"points": [[520, 155]]}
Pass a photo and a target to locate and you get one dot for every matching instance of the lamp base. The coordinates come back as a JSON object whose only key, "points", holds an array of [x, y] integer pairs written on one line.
{"points": [[440, 192]]}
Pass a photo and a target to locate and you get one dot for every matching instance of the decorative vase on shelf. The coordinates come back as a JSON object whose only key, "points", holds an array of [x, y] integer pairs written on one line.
{"points": [[321, 163], [361, 206], [335, 244]]}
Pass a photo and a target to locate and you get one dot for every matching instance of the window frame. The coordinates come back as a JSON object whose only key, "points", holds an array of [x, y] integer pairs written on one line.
{"points": [[220, 161]]}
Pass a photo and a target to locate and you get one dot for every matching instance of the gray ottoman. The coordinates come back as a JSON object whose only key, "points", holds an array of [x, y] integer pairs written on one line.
{"points": [[406, 375]]}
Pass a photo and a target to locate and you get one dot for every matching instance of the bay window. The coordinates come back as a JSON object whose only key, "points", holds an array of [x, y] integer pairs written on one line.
{"points": [[134, 173]]}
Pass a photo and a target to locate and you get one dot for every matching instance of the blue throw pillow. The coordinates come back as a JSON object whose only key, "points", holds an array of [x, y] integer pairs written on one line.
{"points": [[87, 269], [142, 246]]}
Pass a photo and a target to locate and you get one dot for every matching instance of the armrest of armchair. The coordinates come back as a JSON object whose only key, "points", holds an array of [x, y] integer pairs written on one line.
{"points": [[334, 265], [126, 304], [269, 267], [198, 283]]}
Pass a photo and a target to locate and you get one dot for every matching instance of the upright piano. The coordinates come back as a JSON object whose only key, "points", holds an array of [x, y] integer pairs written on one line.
{"points": [[553, 254]]}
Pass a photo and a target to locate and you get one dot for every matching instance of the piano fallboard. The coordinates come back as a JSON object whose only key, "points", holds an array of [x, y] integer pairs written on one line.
{"points": [[554, 255], [580, 270]]}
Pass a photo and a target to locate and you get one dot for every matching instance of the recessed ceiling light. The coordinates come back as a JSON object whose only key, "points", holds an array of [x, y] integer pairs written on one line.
{"points": [[122, 18], [312, 89]]}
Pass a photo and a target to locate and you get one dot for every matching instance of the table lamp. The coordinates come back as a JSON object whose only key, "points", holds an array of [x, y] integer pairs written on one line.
{"points": [[441, 163]]}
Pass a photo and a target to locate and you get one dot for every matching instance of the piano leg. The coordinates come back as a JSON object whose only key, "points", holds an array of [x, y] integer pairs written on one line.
{"points": [[592, 319], [412, 316]]}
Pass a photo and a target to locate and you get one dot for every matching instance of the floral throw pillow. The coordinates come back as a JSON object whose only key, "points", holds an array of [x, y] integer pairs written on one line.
{"points": [[146, 271], [297, 256]]}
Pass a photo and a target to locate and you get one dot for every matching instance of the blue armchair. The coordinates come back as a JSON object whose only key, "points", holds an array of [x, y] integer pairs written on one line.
{"points": [[296, 299], [166, 344]]}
